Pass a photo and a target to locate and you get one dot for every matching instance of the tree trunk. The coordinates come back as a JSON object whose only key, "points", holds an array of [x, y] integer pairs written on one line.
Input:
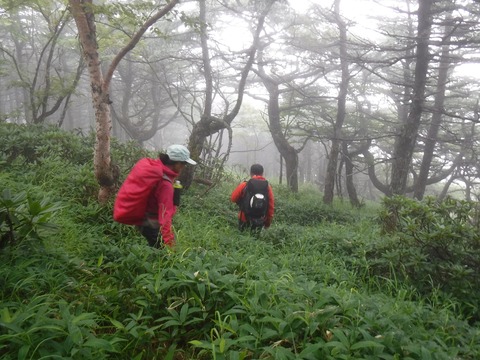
{"points": [[84, 19], [370, 163], [336, 139], [446, 187], [308, 165], [82, 11], [209, 124], [280, 173], [434, 128], [406, 140], [352, 192], [288, 152]]}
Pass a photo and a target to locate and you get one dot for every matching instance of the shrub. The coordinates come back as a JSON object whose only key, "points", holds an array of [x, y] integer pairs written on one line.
{"points": [[306, 208], [33, 142], [23, 217], [433, 245]]}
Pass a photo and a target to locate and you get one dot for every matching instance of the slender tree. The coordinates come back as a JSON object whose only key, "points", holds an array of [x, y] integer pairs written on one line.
{"points": [[45, 70], [143, 107], [287, 151], [209, 123], [407, 135], [336, 140], [432, 133], [84, 15]]}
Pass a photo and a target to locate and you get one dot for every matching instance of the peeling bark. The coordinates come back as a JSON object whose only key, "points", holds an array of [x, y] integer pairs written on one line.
{"points": [[82, 11]]}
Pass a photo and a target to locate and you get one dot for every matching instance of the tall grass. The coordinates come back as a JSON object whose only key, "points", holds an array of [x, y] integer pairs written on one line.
{"points": [[323, 282]]}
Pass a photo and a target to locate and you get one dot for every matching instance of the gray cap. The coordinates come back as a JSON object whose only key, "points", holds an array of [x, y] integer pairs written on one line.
{"points": [[180, 153]]}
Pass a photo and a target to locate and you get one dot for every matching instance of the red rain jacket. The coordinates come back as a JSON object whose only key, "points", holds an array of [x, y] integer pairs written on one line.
{"points": [[146, 198], [237, 195]]}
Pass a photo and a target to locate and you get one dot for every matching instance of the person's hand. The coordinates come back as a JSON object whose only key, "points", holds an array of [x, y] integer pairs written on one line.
{"points": [[170, 244]]}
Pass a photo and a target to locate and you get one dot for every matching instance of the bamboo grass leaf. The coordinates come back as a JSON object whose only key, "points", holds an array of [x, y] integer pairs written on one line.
{"points": [[366, 344]]}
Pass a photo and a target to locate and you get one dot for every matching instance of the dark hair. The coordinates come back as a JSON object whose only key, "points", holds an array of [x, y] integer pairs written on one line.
{"points": [[166, 159], [256, 169]]}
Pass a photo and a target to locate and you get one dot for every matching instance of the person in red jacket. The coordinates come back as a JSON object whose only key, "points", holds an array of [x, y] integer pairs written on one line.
{"points": [[243, 190], [160, 206]]}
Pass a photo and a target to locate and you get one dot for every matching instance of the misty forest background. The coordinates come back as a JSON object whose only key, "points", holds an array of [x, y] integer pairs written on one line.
{"points": [[366, 127], [361, 110]]}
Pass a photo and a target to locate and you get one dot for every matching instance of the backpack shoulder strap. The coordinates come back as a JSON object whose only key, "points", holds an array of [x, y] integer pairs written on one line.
{"points": [[245, 182], [165, 177]]}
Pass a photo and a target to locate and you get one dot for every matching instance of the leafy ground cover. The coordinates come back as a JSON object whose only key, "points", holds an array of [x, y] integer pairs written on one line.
{"points": [[321, 283]]}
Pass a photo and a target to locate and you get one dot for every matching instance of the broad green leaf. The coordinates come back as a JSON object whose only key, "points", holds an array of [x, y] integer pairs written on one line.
{"points": [[85, 319], [23, 352], [100, 260], [97, 343], [366, 344], [117, 324], [184, 313], [222, 345], [310, 348], [5, 315], [75, 334]]}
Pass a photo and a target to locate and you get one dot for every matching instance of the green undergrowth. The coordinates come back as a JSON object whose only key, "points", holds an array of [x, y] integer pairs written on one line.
{"points": [[323, 282]]}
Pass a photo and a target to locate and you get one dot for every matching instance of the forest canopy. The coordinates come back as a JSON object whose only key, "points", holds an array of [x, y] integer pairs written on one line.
{"points": [[361, 107]]}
